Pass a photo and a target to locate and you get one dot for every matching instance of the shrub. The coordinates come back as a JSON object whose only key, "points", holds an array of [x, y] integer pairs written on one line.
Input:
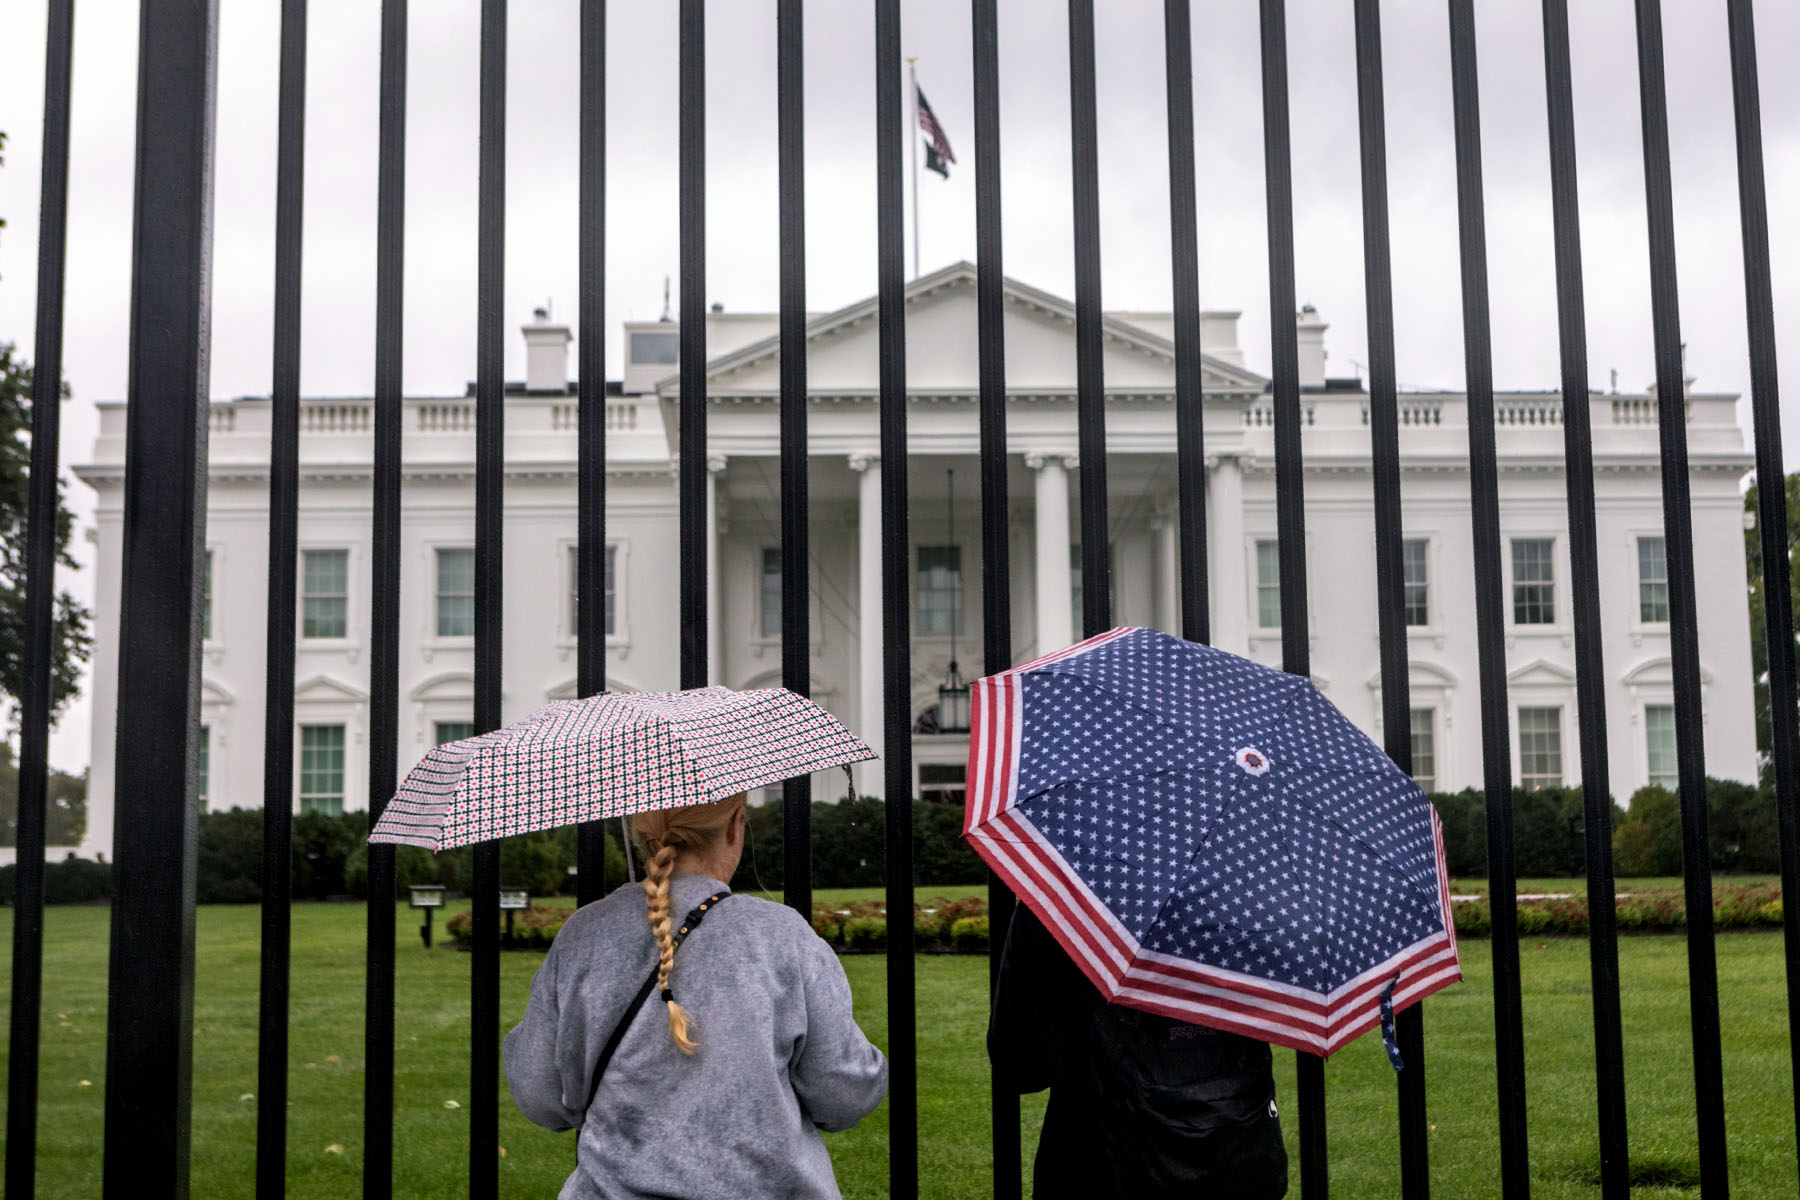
{"points": [[826, 924], [970, 935], [70, 881], [534, 928], [865, 933], [1472, 919]]}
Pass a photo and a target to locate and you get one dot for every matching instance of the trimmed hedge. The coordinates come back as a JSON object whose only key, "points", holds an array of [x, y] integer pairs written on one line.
{"points": [[1660, 911]]}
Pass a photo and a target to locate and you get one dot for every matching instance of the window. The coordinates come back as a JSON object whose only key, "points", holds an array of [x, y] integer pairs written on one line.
{"points": [[771, 591], [610, 599], [1534, 586], [322, 769], [1653, 580], [1268, 585], [324, 591], [1540, 748], [203, 765], [452, 731], [206, 604], [940, 588], [1424, 748], [1418, 588], [1659, 743], [656, 349], [942, 783], [456, 593]]}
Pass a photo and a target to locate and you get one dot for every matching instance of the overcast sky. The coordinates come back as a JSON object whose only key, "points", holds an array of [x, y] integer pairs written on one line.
{"points": [[339, 272]]}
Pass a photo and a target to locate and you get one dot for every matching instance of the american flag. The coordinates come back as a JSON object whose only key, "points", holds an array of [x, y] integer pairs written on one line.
{"points": [[937, 146], [1210, 839]]}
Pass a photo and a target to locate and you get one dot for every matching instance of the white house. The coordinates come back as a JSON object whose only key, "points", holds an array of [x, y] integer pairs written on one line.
{"points": [[436, 652]]}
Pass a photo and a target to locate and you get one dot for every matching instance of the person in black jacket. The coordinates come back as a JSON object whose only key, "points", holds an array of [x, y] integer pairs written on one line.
{"points": [[1140, 1105]]}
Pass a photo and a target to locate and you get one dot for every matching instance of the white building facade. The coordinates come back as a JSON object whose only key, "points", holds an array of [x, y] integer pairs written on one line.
{"points": [[436, 600]]}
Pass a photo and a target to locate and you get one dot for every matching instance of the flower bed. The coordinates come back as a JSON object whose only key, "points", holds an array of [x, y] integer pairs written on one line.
{"points": [[1661, 911]]}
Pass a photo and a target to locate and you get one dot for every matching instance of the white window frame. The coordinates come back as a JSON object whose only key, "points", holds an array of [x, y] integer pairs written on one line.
{"points": [[1639, 627], [1429, 541], [1252, 615], [962, 590], [353, 592], [1564, 746], [432, 552], [1437, 744], [345, 793], [565, 605], [1558, 625], [1643, 715]]}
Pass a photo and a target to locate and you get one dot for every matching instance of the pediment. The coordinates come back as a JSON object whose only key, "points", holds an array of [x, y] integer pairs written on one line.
{"points": [[1658, 672], [1420, 675], [451, 685], [943, 351], [1540, 673], [816, 685], [566, 690], [215, 693], [327, 689]]}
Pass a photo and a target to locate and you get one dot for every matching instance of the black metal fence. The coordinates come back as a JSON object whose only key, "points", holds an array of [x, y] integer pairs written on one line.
{"points": [[152, 949]]}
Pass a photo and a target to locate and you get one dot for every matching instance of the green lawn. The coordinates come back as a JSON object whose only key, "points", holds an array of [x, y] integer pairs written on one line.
{"points": [[432, 991]]}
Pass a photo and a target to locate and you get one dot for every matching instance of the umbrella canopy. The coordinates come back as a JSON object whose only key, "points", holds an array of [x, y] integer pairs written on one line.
{"points": [[609, 756], [1210, 839]]}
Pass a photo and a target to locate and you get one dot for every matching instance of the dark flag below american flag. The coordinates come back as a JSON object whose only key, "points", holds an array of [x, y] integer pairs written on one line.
{"points": [[938, 156]]}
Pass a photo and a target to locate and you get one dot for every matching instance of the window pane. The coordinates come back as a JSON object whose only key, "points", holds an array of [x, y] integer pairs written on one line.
{"points": [[771, 592], [942, 783], [452, 731], [1653, 580], [612, 595], [1540, 747], [322, 769], [204, 765], [608, 602], [1424, 749], [1659, 741], [1534, 587], [456, 593], [324, 594], [1268, 585], [574, 590], [1417, 586], [939, 588], [656, 348], [206, 610]]}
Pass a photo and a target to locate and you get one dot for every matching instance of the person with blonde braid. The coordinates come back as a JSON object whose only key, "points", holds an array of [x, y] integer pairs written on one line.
{"points": [[725, 1093]]}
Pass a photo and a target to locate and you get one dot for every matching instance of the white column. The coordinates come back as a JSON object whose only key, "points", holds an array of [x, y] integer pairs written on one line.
{"points": [[1230, 590], [1055, 608], [1168, 572], [869, 710], [715, 622]]}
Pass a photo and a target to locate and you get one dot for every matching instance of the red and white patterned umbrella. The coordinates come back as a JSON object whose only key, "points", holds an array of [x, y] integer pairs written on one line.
{"points": [[609, 756]]}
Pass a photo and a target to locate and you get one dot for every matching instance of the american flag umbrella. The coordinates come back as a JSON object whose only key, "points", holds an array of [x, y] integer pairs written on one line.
{"points": [[609, 756], [1210, 839]]}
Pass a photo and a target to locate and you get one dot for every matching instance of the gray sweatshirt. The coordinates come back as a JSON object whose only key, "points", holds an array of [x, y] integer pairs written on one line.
{"points": [[780, 1057]]}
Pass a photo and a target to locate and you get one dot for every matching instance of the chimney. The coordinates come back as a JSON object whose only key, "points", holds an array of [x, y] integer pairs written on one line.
{"points": [[1219, 337], [1311, 336], [546, 354]]}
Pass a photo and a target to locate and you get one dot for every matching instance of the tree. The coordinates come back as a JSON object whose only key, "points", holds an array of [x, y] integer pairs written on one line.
{"points": [[1759, 631], [70, 643], [65, 808]]}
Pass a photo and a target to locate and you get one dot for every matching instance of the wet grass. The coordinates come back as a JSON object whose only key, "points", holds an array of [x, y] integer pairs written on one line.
{"points": [[326, 1069]]}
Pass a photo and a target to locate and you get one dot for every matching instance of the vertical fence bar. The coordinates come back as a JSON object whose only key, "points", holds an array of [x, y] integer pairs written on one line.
{"points": [[590, 467], [150, 970], [1490, 630], [1184, 243], [896, 617], [1390, 608], [1684, 635], [996, 555], [694, 519], [1090, 383], [1771, 490], [1584, 581], [1290, 504], [278, 701], [796, 613], [384, 607], [35, 699], [490, 499]]}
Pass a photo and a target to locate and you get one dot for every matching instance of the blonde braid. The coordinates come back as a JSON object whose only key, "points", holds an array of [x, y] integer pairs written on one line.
{"points": [[656, 891]]}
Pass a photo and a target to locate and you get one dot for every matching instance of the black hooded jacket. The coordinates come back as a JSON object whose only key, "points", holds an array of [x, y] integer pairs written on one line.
{"points": [[1140, 1105]]}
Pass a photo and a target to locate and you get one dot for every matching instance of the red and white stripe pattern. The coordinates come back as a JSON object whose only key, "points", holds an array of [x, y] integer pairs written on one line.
{"points": [[1117, 963]]}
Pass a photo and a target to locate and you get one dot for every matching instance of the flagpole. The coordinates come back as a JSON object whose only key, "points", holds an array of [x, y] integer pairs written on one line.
{"points": [[912, 68]]}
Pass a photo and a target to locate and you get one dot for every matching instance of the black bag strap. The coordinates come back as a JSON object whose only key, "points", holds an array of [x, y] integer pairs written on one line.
{"points": [[690, 923]]}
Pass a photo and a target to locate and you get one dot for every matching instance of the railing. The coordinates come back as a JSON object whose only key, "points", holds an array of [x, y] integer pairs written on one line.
{"points": [[151, 970]]}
